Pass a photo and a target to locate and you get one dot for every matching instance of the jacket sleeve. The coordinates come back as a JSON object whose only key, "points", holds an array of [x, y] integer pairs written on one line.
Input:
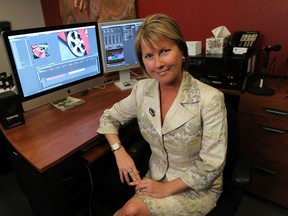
{"points": [[210, 164], [120, 113]]}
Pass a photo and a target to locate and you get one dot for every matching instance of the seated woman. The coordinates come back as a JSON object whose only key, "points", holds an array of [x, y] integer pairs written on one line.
{"points": [[182, 119]]}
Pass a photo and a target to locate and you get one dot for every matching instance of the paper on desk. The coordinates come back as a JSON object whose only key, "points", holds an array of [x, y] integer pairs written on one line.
{"points": [[67, 103], [221, 31]]}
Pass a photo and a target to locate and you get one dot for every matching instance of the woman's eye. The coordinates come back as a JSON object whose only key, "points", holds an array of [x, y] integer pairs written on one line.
{"points": [[148, 56], [165, 51]]}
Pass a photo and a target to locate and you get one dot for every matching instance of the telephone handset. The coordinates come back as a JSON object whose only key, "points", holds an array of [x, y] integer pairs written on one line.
{"points": [[243, 41]]}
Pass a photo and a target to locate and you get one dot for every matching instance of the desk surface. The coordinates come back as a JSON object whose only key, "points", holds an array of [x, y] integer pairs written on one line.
{"points": [[51, 135]]}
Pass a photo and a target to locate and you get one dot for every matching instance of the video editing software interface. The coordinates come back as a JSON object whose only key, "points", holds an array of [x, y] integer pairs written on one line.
{"points": [[52, 58], [118, 39]]}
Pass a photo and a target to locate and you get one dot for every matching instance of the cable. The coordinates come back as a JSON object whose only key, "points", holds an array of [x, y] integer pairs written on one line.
{"points": [[91, 191]]}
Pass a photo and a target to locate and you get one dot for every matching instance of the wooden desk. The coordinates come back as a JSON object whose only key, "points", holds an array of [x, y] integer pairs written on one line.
{"points": [[50, 137]]}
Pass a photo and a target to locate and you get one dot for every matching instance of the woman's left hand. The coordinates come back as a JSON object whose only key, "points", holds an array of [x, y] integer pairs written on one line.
{"points": [[149, 187]]}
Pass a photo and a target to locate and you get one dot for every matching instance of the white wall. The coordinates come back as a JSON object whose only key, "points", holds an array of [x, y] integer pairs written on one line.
{"points": [[21, 14]]}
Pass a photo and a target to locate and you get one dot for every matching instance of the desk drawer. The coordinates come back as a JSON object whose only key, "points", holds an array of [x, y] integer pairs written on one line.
{"points": [[265, 107], [264, 138], [270, 182]]}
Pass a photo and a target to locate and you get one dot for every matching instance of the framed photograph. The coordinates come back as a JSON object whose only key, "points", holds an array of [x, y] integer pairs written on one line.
{"points": [[77, 11]]}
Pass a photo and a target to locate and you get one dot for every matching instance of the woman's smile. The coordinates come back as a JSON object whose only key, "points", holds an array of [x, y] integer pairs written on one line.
{"points": [[163, 72]]}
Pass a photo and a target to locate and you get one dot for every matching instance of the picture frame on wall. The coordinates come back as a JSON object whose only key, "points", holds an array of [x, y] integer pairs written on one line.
{"points": [[77, 11]]}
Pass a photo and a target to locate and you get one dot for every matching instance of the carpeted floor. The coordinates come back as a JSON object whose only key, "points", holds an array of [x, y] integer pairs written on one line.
{"points": [[12, 201]]}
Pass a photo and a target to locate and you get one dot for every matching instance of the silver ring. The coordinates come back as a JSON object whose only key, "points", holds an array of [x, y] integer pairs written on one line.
{"points": [[141, 190], [130, 171]]}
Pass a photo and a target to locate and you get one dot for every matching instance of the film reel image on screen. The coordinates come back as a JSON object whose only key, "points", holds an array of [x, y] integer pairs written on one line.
{"points": [[76, 43]]}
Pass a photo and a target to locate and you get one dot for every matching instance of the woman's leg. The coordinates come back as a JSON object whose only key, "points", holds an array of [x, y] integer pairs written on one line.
{"points": [[134, 206]]}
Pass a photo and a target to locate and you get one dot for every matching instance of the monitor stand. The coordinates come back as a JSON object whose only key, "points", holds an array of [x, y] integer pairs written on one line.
{"points": [[125, 81]]}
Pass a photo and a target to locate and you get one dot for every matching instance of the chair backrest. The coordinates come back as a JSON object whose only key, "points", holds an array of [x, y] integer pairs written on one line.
{"points": [[233, 141]]}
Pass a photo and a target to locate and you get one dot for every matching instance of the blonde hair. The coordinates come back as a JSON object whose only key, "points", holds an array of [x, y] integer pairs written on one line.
{"points": [[157, 27]]}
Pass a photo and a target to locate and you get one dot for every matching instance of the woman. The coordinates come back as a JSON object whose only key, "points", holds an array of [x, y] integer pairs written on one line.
{"points": [[182, 119]]}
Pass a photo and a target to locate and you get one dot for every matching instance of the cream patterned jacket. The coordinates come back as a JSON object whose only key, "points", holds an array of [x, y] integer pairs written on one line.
{"points": [[192, 142]]}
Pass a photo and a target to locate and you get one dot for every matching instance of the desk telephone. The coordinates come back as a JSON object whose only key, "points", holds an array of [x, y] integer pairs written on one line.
{"points": [[243, 41]]}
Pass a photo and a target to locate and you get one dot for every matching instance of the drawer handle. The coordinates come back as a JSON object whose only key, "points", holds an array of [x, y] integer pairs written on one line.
{"points": [[15, 153], [277, 112], [271, 172], [274, 130]]}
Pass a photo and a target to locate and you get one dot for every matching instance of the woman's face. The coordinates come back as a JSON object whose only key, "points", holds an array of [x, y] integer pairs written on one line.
{"points": [[163, 61]]}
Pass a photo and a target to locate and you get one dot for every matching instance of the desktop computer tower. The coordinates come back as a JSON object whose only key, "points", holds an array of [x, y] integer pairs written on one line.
{"points": [[11, 111]]}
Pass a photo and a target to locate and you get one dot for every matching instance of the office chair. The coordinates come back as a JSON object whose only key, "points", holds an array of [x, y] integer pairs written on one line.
{"points": [[237, 171]]}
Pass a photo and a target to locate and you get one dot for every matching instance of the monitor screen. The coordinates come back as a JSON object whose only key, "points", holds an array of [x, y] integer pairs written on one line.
{"points": [[51, 63], [117, 45]]}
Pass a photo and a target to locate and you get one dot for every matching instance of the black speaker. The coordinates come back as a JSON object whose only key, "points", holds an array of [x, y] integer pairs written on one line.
{"points": [[3, 75], [11, 111]]}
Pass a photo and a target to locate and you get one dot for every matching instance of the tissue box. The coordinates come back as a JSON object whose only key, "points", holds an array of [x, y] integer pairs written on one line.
{"points": [[216, 45], [194, 47]]}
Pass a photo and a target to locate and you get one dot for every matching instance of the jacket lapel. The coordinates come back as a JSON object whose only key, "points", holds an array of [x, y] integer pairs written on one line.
{"points": [[182, 110], [152, 106], [177, 116]]}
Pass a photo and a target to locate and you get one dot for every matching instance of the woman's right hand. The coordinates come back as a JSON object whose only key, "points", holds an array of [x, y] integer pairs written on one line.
{"points": [[126, 167]]}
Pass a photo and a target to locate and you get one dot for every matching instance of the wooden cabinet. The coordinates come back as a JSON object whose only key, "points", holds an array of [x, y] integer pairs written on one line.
{"points": [[264, 138]]}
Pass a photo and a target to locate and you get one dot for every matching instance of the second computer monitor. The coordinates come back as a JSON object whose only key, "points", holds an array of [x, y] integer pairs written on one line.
{"points": [[117, 45]]}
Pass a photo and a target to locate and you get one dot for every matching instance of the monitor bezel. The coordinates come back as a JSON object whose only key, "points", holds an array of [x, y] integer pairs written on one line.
{"points": [[51, 95]]}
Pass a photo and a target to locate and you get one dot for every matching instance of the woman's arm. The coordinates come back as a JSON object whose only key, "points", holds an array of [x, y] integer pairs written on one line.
{"points": [[210, 164], [124, 162], [110, 122]]}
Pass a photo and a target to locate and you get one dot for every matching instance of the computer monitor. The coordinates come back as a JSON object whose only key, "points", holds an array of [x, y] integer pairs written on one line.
{"points": [[51, 63], [117, 45]]}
